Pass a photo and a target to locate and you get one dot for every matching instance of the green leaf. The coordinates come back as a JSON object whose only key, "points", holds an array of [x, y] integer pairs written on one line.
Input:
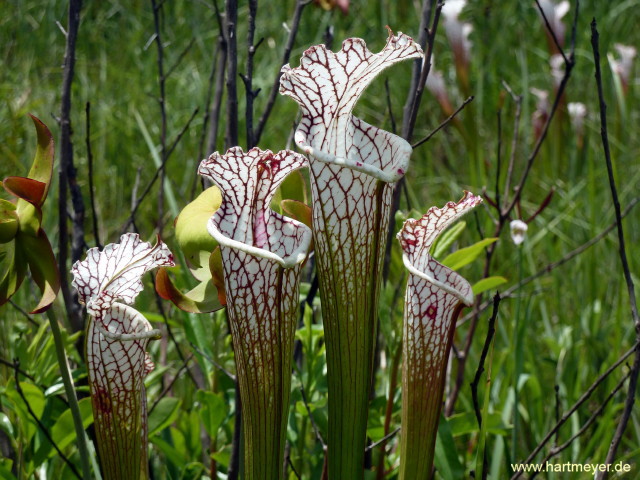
{"points": [[446, 456], [169, 451], [201, 299], [44, 268], [444, 241], [465, 256], [191, 225], [488, 283], [63, 431], [213, 411], [163, 415], [13, 268], [36, 400], [8, 221], [5, 425], [465, 423]]}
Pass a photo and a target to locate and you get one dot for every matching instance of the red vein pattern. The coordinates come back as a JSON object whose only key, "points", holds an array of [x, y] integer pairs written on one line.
{"points": [[117, 337], [262, 253], [434, 297], [353, 166]]}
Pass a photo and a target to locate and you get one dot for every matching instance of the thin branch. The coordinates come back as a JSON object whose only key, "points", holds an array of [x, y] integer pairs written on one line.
{"points": [[179, 59], [247, 78], [635, 370], [24, 313], [485, 350], [306, 405], [382, 440], [92, 199], [273, 94], [444, 123], [514, 141], [407, 130], [553, 265], [67, 176], [559, 448], [552, 32], [231, 17], [231, 376], [185, 365], [158, 173], [43, 429], [163, 112], [583, 398], [392, 118]]}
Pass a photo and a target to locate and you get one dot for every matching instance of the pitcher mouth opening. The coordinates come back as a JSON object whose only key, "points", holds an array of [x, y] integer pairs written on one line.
{"points": [[294, 258]]}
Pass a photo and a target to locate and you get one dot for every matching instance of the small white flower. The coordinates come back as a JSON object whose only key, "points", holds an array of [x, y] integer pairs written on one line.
{"points": [[557, 69], [622, 66], [518, 231], [554, 13], [577, 114], [456, 30]]}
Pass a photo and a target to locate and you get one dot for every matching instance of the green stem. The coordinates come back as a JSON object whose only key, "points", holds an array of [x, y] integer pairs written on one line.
{"points": [[517, 363], [71, 395]]}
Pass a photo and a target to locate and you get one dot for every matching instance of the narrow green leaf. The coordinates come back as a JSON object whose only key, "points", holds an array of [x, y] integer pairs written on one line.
{"points": [[163, 414], [465, 423], [42, 166], [44, 268], [488, 283], [446, 456], [446, 239], [465, 256], [63, 432]]}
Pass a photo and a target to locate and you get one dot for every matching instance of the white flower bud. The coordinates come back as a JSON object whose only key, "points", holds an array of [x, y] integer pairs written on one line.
{"points": [[518, 231]]}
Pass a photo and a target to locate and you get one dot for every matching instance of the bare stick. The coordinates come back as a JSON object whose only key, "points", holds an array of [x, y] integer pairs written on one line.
{"points": [[247, 78], [231, 17], [273, 94], [382, 440], [559, 448], [635, 370], [551, 32], [553, 265], [219, 83], [163, 113], [92, 200], [444, 123], [514, 141], [157, 174], [485, 350], [392, 118], [165, 391], [67, 176], [583, 398]]}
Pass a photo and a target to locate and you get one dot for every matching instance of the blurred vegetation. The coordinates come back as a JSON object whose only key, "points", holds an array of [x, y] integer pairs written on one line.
{"points": [[574, 320]]}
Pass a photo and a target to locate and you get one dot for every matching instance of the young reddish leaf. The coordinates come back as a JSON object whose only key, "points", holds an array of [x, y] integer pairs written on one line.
{"points": [[352, 168], [25, 188], [217, 274], [42, 166], [201, 299], [434, 297], [117, 338], [261, 254], [44, 268]]}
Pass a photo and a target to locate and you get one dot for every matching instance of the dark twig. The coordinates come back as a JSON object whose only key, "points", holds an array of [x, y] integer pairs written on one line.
{"points": [[92, 199], [392, 118], [163, 112], [167, 389], [43, 429], [219, 83], [504, 215], [552, 32], [483, 356], [231, 376], [136, 204], [16, 367], [67, 176], [273, 94], [583, 398], [559, 448], [231, 17], [24, 313], [444, 123], [382, 440], [514, 141], [306, 405], [183, 54], [553, 265], [635, 370], [247, 78]]}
